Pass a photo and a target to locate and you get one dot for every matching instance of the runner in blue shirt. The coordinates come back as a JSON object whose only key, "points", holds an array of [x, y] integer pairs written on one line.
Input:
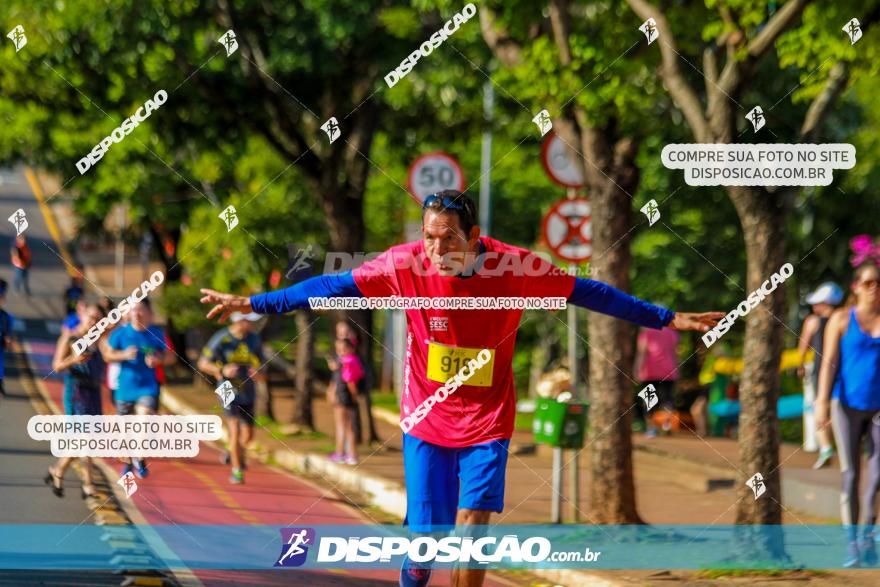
{"points": [[139, 347]]}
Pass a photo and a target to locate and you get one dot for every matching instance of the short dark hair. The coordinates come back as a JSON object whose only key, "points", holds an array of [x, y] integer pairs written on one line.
{"points": [[463, 207]]}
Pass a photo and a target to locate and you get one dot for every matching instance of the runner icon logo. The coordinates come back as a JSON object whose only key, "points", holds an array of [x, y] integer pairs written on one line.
{"points": [[542, 119], [756, 117], [756, 483], [300, 268], [648, 394], [19, 221], [17, 37], [649, 27], [652, 211], [331, 127], [128, 484], [229, 217], [853, 30], [229, 42], [295, 546], [226, 392]]}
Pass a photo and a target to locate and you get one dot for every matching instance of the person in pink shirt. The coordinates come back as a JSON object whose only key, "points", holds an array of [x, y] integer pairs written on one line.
{"points": [[347, 374], [458, 404], [657, 365]]}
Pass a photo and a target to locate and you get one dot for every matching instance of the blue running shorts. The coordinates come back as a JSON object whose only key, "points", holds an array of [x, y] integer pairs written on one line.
{"points": [[442, 480]]}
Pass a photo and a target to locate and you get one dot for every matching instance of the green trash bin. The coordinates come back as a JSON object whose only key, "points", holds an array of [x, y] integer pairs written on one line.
{"points": [[559, 423]]}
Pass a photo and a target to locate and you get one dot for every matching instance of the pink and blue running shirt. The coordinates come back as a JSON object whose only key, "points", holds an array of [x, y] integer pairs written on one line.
{"points": [[440, 341], [472, 414]]}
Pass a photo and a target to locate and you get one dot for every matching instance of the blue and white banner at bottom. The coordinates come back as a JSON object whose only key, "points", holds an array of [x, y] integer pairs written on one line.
{"points": [[54, 547]]}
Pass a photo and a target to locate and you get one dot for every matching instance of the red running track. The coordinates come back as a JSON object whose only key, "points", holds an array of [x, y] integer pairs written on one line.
{"points": [[197, 491]]}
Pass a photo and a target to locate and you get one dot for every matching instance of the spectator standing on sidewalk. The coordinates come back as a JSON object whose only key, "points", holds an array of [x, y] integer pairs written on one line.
{"points": [[657, 365], [21, 263], [347, 375], [235, 354], [365, 407], [823, 300]]}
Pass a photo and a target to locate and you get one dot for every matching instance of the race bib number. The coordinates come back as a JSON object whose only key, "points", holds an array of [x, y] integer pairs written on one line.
{"points": [[446, 361]]}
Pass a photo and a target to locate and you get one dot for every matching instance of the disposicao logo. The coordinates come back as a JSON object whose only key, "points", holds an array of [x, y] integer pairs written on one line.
{"points": [[128, 125], [295, 546]]}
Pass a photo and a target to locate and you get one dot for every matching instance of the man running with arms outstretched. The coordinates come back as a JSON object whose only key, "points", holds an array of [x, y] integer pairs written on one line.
{"points": [[455, 455]]}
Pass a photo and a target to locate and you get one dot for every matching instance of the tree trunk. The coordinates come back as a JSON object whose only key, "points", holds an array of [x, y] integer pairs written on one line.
{"points": [[305, 350], [762, 216], [611, 486], [173, 273]]}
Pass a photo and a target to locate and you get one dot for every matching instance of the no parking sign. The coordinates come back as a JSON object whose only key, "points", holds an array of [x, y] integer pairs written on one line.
{"points": [[567, 230]]}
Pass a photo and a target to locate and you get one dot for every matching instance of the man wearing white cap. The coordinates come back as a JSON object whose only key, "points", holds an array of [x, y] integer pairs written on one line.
{"points": [[235, 354], [823, 300]]}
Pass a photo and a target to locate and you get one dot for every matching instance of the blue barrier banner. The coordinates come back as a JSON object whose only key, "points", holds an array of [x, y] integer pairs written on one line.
{"points": [[55, 547]]}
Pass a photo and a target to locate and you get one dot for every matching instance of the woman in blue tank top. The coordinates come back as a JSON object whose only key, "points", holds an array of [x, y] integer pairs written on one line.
{"points": [[83, 376], [849, 389]]}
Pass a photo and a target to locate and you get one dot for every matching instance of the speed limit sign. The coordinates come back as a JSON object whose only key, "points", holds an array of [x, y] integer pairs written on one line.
{"points": [[434, 172]]}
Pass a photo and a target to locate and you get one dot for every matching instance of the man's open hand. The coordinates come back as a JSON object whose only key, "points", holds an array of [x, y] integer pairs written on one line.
{"points": [[701, 322], [224, 304]]}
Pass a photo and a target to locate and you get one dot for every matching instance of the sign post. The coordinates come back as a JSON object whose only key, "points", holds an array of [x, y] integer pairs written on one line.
{"points": [[567, 231]]}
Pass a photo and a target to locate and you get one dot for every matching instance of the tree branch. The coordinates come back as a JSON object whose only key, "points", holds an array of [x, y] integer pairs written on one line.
{"points": [[680, 90], [505, 48], [736, 71], [777, 25], [560, 23], [838, 78]]}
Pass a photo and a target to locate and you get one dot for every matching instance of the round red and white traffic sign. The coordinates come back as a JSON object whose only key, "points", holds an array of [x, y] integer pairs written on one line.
{"points": [[560, 162], [434, 172], [567, 230]]}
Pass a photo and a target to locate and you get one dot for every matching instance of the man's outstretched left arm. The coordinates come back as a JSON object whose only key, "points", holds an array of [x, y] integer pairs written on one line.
{"points": [[601, 297]]}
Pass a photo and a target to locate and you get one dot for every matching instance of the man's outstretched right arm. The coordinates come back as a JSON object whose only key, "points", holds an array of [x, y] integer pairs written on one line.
{"points": [[297, 295], [283, 300]]}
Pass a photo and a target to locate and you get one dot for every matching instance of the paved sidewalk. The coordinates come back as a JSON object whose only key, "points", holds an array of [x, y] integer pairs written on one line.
{"points": [[663, 498]]}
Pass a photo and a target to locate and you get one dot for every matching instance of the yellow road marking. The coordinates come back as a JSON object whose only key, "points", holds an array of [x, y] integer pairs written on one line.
{"points": [[49, 217], [222, 495]]}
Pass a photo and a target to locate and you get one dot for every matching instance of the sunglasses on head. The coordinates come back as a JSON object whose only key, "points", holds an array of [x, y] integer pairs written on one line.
{"points": [[449, 202]]}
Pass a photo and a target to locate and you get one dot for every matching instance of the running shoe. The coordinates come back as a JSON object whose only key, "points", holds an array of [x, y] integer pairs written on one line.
{"points": [[141, 469], [868, 550], [337, 457], [226, 459], [824, 457], [351, 460], [413, 576], [852, 556], [126, 469], [237, 477]]}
